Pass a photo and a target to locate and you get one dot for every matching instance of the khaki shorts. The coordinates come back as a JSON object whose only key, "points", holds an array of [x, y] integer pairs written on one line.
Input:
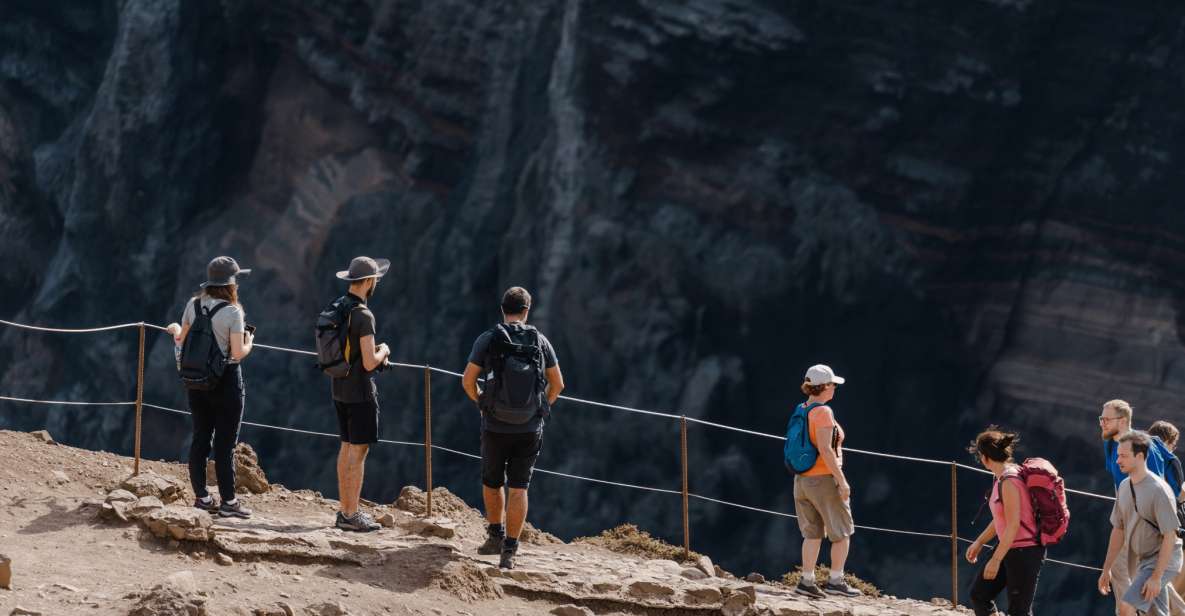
{"points": [[820, 510]]}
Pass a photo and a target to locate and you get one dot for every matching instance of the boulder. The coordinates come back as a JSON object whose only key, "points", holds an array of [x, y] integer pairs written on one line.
{"points": [[756, 578], [703, 595], [23, 611], [120, 496], [387, 520], [705, 564], [166, 489], [649, 590], [178, 522], [443, 528], [737, 604], [249, 476], [44, 437], [176, 596], [694, 574], [144, 507], [224, 560], [5, 572], [327, 609]]}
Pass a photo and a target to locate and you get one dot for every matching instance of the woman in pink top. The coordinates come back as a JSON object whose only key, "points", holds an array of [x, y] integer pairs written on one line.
{"points": [[1017, 559]]}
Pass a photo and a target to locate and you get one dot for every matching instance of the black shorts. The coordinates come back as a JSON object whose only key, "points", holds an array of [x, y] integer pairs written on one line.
{"points": [[358, 422], [509, 459]]}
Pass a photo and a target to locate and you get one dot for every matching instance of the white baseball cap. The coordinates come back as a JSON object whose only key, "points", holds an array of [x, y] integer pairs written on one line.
{"points": [[821, 374]]}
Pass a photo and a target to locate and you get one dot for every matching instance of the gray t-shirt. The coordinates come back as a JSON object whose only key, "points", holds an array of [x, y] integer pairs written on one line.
{"points": [[1156, 506], [229, 320], [479, 356]]}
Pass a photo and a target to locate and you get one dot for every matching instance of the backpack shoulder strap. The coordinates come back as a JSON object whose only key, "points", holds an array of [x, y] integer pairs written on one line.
{"points": [[1136, 505], [213, 311]]}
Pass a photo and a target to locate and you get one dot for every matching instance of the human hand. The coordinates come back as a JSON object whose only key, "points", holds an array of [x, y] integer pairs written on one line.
{"points": [[973, 552], [248, 337], [173, 329], [1105, 583], [991, 569], [845, 492], [1151, 588]]}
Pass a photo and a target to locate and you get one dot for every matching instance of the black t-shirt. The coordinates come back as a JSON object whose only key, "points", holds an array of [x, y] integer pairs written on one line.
{"points": [[359, 385], [481, 350]]}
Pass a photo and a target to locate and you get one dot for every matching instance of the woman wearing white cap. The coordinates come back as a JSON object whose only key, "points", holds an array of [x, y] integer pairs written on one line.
{"points": [[217, 406], [822, 497]]}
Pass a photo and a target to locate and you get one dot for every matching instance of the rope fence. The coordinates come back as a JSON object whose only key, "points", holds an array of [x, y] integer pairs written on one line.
{"points": [[428, 446]]}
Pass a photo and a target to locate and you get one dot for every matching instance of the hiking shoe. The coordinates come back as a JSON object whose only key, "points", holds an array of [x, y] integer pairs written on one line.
{"points": [[236, 510], [808, 589], [508, 553], [209, 506], [360, 522], [341, 521], [493, 545], [840, 588]]}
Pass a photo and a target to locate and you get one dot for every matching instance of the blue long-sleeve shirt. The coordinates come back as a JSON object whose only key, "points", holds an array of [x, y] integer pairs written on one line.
{"points": [[1156, 462]]}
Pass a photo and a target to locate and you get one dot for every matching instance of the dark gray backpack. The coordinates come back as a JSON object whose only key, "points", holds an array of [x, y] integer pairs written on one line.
{"points": [[515, 392], [333, 337], [202, 361]]}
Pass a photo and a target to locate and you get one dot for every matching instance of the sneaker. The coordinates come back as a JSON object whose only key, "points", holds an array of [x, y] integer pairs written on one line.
{"points": [[840, 588], [493, 545], [360, 522], [809, 589], [508, 553], [209, 505], [236, 510], [341, 521]]}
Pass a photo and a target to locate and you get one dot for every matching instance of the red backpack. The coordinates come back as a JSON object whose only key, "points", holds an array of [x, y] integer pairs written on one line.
{"points": [[1048, 492]]}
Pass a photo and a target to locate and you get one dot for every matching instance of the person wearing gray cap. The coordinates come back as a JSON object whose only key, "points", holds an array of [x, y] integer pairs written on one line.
{"points": [[822, 496], [217, 407], [355, 396]]}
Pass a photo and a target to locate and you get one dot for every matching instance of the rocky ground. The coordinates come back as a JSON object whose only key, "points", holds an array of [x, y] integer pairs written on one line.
{"points": [[79, 535]]}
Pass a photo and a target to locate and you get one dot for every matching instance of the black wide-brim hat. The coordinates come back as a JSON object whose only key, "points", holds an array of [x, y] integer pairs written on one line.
{"points": [[362, 268], [222, 272]]}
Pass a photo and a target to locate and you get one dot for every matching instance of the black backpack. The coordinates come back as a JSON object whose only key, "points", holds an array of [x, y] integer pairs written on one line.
{"points": [[514, 394], [202, 362], [333, 337]]}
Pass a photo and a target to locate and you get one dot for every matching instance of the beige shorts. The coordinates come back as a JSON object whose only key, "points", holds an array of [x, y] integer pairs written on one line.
{"points": [[820, 510]]}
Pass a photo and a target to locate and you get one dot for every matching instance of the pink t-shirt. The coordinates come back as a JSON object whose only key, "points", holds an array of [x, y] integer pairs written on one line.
{"points": [[1026, 534]]}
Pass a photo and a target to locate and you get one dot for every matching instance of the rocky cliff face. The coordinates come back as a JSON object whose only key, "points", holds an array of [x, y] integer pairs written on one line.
{"points": [[966, 207]]}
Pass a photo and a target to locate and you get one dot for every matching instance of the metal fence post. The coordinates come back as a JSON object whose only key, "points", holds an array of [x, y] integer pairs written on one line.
{"points": [[954, 534], [139, 400], [428, 436], [686, 520]]}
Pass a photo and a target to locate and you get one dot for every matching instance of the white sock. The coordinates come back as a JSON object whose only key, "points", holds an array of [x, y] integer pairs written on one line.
{"points": [[206, 498], [809, 577], [836, 577], [232, 502]]}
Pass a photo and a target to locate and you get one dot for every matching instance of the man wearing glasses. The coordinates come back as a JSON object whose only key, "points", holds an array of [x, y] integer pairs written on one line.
{"points": [[1116, 421]]}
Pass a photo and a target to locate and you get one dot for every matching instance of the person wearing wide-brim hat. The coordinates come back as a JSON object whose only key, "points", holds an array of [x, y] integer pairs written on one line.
{"points": [[218, 412], [355, 397]]}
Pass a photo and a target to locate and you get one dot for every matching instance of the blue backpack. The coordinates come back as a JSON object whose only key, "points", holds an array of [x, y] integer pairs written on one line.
{"points": [[799, 453]]}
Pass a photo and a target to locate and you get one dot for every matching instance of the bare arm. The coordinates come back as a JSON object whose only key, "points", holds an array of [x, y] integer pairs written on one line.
{"points": [[555, 384], [469, 380], [1011, 496], [241, 345], [823, 437], [1168, 545], [371, 357]]}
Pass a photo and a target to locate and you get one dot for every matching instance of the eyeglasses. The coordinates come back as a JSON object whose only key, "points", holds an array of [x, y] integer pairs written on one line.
{"points": [[1104, 419]]}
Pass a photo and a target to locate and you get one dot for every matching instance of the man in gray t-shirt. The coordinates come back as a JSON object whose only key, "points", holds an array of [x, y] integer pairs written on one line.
{"points": [[1144, 531]]}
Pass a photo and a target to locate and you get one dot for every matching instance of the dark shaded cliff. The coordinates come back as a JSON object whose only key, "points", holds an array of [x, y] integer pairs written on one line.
{"points": [[967, 208]]}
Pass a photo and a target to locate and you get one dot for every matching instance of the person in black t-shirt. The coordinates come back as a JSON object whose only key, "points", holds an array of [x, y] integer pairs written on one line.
{"points": [[511, 429], [355, 396]]}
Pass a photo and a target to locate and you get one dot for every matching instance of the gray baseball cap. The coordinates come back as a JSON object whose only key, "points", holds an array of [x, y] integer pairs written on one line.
{"points": [[362, 268], [821, 374], [223, 271]]}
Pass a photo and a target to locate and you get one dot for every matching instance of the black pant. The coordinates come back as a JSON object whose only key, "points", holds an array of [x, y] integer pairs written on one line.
{"points": [[217, 415], [1018, 573]]}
